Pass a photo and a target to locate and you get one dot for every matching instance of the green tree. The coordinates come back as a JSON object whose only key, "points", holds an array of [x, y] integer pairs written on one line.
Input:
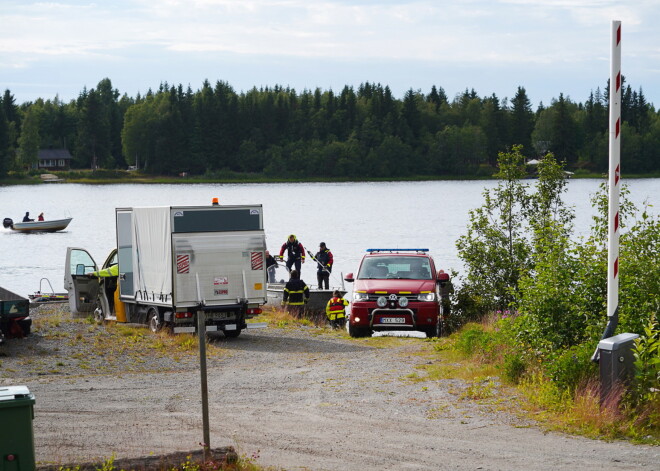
{"points": [[547, 304], [93, 140], [494, 250], [521, 121], [564, 131], [29, 141], [4, 144]]}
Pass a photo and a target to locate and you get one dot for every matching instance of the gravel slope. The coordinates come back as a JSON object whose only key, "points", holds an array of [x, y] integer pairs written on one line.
{"points": [[293, 398]]}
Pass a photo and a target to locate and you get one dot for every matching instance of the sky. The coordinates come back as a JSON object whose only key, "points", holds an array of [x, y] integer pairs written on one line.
{"points": [[56, 49]]}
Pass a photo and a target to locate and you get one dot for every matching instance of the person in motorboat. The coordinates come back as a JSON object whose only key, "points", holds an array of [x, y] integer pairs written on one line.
{"points": [[295, 253], [271, 265], [41, 217], [324, 260], [26, 218]]}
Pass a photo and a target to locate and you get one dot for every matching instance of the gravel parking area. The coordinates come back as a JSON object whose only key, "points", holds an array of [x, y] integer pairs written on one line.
{"points": [[297, 398]]}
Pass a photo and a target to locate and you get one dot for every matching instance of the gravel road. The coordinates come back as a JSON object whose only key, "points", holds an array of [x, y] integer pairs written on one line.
{"points": [[293, 398]]}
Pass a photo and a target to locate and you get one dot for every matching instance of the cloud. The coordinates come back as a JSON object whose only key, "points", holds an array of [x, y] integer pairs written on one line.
{"points": [[436, 34]]}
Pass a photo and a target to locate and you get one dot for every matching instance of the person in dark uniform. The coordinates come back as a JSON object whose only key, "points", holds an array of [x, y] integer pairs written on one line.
{"points": [[295, 253], [26, 218], [324, 261], [271, 265], [296, 294]]}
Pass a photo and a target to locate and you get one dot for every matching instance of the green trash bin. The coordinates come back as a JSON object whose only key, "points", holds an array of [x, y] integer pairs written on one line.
{"points": [[16, 434]]}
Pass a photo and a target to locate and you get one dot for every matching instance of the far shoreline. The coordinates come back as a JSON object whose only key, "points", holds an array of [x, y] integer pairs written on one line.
{"points": [[115, 177]]}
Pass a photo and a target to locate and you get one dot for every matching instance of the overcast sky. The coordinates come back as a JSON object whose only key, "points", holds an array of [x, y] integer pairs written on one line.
{"points": [[547, 46]]}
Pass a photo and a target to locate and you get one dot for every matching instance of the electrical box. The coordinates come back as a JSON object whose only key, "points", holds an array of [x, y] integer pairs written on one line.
{"points": [[617, 364]]}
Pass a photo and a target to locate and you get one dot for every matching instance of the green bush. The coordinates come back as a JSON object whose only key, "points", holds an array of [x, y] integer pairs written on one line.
{"points": [[474, 339], [571, 368], [514, 367], [646, 384]]}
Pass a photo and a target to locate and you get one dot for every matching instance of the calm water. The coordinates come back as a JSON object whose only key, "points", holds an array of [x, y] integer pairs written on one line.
{"points": [[349, 217]]}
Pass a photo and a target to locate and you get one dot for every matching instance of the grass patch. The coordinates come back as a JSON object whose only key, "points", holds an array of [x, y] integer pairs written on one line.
{"points": [[477, 355]]}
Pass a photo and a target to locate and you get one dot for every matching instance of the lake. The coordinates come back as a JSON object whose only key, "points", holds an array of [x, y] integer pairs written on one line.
{"points": [[348, 217]]}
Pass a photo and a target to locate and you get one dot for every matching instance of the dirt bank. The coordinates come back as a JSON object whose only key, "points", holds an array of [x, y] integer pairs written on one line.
{"points": [[296, 398]]}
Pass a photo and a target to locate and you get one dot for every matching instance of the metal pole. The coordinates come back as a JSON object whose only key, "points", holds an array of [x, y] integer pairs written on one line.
{"points": [[201, 336], [614, 189]]}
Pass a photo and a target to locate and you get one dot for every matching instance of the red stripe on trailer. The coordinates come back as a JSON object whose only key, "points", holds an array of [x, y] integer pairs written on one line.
{"points": [[183, 264], [257, 260]]}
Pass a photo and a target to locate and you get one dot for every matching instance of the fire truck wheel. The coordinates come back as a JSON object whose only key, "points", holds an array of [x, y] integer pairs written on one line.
{"points": [[356, 332], [436, 330], [154, 321]]}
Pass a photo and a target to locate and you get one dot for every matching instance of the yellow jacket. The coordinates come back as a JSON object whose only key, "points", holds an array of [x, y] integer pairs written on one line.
{"points": [[113, 270], [336, 308]]}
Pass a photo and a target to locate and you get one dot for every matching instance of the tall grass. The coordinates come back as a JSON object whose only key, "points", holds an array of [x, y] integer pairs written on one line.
{"points": [[557, 391]]}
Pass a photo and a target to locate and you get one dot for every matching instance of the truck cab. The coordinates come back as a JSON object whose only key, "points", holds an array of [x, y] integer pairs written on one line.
{"points": [[398, 289], [90, 294]]}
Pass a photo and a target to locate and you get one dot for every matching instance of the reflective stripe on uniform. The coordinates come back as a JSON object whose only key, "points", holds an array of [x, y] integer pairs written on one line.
{"points": [[336, 308]]}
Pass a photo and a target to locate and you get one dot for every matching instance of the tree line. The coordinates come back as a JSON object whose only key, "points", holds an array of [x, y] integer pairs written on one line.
{"points": [[280, 133]]}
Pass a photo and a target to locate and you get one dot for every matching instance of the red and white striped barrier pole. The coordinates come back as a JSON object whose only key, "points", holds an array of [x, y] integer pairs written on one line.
{"points": [[614, 181], [614, 176]]}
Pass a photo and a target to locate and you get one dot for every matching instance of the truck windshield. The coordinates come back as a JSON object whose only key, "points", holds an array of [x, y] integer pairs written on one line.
{"points": [[404, 268]]}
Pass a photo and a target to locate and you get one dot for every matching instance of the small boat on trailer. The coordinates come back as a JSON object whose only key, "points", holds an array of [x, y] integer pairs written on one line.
{"points": [[52, 225], [41, 297], [318, 298]]}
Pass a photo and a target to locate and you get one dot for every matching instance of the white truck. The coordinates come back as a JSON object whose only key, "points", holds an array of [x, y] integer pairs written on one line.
{"points": [[173, 261]]}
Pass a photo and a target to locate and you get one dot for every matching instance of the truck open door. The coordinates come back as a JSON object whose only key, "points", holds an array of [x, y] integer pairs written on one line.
{"points": [[83, 290]]}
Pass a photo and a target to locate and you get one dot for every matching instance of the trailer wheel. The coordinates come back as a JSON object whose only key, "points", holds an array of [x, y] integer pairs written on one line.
{"points": [[232, 334], [154, 321]]}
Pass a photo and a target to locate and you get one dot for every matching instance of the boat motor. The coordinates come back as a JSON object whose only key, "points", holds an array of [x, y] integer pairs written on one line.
{"points": [[7, 222]]}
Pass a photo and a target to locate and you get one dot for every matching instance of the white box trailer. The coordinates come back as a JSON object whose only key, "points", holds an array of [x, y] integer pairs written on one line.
{"points": [[174, 260]]}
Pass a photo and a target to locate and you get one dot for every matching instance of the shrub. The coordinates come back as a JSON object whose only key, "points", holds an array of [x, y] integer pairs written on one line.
{"points": [[646, 382], [514, 367], [572, 368]]}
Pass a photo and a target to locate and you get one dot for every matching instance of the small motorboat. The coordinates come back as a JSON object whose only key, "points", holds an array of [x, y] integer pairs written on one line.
{"points": [[318, 298], [52, 225]]}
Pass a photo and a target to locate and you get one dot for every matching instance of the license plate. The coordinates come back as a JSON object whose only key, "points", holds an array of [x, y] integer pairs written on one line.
{"points": [[392, 320]]}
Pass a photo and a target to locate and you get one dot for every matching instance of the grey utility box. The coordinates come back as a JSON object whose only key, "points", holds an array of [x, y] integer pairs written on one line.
{"points": [[616, 363]]}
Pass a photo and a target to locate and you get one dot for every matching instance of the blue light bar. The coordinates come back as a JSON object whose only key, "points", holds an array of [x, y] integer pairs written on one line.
{"points": [[397, 250]]}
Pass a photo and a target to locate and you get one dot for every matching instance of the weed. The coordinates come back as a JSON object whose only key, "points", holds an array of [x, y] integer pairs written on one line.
{"points": [[483, 388], [437, 412], [186, 342]]}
